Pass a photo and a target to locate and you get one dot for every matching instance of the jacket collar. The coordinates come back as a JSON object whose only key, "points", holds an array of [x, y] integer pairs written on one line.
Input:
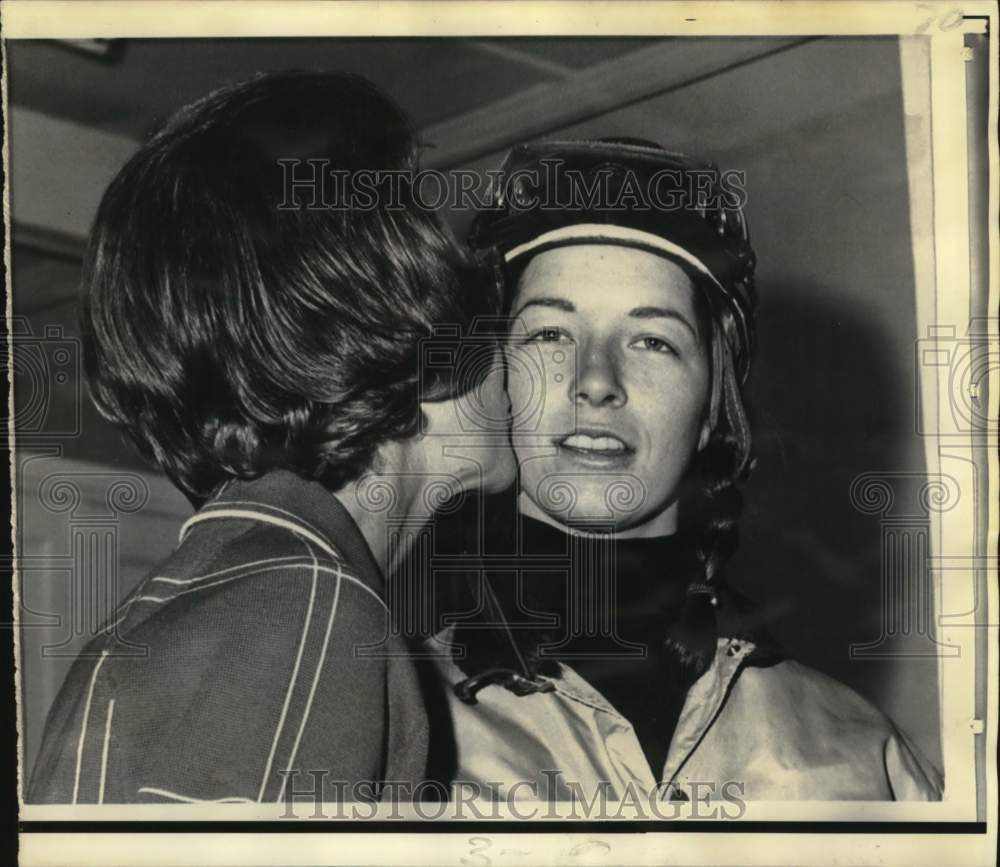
{"points": [[704, 702], [497, 654], [702, 706], [307, 507]]}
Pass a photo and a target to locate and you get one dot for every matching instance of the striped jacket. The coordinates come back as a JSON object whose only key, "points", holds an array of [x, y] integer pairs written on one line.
{"points": [[238, 670]]}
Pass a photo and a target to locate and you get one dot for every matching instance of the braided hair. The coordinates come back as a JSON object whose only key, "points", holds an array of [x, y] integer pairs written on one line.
{"points": [[711, 503]]}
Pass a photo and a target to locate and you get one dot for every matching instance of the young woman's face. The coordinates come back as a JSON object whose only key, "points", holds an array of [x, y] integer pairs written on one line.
{"points": [[607, 338]]}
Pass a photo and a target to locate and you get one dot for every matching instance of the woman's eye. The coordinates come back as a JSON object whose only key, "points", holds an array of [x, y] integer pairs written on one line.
{"points": [[655, 344], [547, 335]]}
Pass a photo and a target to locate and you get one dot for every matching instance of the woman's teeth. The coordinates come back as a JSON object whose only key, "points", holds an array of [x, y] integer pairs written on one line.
{"points": [[594, 444]]}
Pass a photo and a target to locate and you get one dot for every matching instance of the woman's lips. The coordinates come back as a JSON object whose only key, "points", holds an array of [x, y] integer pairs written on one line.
{"points": [[596, 449], [583, 442]]}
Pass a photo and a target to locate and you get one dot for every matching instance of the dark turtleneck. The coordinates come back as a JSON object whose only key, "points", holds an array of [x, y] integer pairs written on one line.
{"points": [[622, 653]]}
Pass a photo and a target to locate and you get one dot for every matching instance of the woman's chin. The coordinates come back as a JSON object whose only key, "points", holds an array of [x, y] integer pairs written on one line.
{"points": [[581, 498], [619, 506], [499, 474]]}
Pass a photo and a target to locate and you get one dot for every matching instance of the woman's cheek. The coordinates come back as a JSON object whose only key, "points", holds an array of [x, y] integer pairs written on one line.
{"points": [[541, 385], [521, 382]]}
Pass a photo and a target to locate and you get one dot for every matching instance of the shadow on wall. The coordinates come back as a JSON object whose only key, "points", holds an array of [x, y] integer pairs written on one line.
{"points": [[830, 400]]}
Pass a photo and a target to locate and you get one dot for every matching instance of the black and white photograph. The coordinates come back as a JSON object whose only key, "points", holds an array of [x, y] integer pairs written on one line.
{"points": [[507, 433]]}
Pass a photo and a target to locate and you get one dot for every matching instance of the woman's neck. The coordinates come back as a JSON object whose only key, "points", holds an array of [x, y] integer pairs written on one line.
{"points": [[396, 488], [639, 585]]}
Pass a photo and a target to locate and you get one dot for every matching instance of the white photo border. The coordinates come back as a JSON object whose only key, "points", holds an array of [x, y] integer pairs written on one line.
{"points": [[931, 44]]}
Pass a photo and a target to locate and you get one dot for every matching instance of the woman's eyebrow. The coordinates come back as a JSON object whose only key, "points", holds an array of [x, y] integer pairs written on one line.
{"points": [[662, 313], [556, 303]]}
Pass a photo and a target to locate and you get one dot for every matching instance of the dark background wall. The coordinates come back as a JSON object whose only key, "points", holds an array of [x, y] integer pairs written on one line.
{"points": [[818, 127]]}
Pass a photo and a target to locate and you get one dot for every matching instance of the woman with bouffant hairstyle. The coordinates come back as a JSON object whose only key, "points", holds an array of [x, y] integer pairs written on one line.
{"points": [[262, 346]]}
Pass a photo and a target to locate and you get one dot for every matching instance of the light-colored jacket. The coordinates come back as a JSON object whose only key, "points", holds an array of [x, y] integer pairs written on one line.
{"points": [[777, 733]]}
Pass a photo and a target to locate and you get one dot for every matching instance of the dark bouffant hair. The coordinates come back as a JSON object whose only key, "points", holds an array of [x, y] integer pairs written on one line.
{"points": [[231, 328]]}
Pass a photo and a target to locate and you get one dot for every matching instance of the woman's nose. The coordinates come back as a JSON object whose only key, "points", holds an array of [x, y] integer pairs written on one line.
{"points": [[598, 382]]}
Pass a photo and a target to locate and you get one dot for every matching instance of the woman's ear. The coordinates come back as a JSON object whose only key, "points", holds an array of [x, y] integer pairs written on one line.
{"points": [[437, 417]]}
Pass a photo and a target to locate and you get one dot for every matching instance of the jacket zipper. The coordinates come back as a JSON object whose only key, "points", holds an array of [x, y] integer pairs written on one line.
{"points": [[672, 784]]}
